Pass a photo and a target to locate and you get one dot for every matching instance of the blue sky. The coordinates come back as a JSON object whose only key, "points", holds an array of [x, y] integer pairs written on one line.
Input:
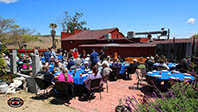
{"points": [[127, 15]]}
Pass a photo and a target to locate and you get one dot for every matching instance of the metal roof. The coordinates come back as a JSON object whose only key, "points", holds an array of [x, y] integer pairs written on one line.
{"points": [[90, 34]]}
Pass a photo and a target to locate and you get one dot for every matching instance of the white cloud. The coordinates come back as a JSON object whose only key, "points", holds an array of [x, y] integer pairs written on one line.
{"points": [[191, 21], [8, 1]]}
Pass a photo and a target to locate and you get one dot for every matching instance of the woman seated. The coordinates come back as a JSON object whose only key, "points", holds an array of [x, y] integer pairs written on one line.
{"points": [[106, 70], [90, 77], [64, 76], [85, 66]]}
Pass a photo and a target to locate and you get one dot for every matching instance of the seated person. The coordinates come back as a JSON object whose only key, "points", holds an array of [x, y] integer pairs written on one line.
{"points": [[68, 77], [70, 63], [85, 66], [132, 67], [90, 77], [162, 64], [77, 63], [52, 60], [45, 75], [59, 76], [106, 70], [135, 63], [149, 63], [116, 63]]}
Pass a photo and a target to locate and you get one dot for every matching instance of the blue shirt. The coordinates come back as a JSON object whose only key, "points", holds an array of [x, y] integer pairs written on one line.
{"points": [[94, 57], [47, 55]]}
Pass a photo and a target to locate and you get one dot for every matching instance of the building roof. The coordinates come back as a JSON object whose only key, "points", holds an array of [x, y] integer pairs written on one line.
{"points": [[134, 44], [90, 34], [119, 45], [180, 40]]}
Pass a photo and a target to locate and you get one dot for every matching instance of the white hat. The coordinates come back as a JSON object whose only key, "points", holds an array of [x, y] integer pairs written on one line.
{"points": [[86, 62], [135, 60], [105, 63], [99, 64]]}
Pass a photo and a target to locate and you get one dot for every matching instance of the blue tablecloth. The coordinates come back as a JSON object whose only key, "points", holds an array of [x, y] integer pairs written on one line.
{"points": [[77, 78], [166, 76]]}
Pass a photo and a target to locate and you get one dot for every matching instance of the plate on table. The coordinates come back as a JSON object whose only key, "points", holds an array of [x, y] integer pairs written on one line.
{"points": [[187, 77], [164, 70], [84, 75], [173, 77], [176, 71], [186, 74], [90, 72], [157, 75], [149, 72], [154, 71]]}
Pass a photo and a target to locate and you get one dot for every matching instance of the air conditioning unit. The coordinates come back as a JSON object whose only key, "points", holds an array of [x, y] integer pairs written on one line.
{"points": [[107, 36], [131, 34]]}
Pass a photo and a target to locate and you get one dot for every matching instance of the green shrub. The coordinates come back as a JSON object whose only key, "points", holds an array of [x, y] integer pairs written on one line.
{"points": [[182, 97], [2, 66]]}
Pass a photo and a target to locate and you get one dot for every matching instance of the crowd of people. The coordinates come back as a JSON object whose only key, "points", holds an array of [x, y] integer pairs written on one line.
{"points": [[55, 66]]}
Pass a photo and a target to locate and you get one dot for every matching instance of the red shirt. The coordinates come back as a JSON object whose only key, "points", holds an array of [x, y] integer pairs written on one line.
{"points": [[75, 54]]}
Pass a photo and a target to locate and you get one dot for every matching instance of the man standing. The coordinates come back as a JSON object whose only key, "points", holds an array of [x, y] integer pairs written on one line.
{"points": [[94, 58], [47, 55], [102, 55]]}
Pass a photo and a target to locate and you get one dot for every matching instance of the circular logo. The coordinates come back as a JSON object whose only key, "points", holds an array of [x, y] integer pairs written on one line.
{"points": [[15, 102]]}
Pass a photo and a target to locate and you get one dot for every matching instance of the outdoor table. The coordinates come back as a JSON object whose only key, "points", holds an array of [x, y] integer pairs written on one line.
{"points": [[172, 66], [78, 79], [166, 75]]}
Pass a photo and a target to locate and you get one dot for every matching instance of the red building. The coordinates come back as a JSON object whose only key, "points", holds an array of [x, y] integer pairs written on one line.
{"points": [[111, 40]]}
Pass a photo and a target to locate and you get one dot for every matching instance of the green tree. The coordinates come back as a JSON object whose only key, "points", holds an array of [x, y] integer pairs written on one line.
{"points": [[13, 34], [69, 23]]}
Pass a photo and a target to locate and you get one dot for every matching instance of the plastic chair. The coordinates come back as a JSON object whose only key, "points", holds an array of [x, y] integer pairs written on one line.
{"points": [[140, 73], [42, 84], [64, 88], [95, 86]]}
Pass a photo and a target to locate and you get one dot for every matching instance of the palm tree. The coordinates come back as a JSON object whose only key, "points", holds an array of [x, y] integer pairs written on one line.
{"points": [[53, 26]]}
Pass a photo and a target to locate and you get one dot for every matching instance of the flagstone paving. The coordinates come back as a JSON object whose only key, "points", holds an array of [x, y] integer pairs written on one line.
{"points": [[117, 90]]}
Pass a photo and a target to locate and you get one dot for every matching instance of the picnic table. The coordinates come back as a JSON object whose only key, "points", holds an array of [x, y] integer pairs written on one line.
{"points": [[166, 75], [79, 76]]}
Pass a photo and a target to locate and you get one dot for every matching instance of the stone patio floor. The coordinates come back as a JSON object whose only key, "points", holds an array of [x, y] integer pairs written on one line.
{"points": [[117, 90]]}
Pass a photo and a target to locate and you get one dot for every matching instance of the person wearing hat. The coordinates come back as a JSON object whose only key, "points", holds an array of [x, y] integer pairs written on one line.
{"points": [[52, 60], [106, 70], [85, 66]]}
